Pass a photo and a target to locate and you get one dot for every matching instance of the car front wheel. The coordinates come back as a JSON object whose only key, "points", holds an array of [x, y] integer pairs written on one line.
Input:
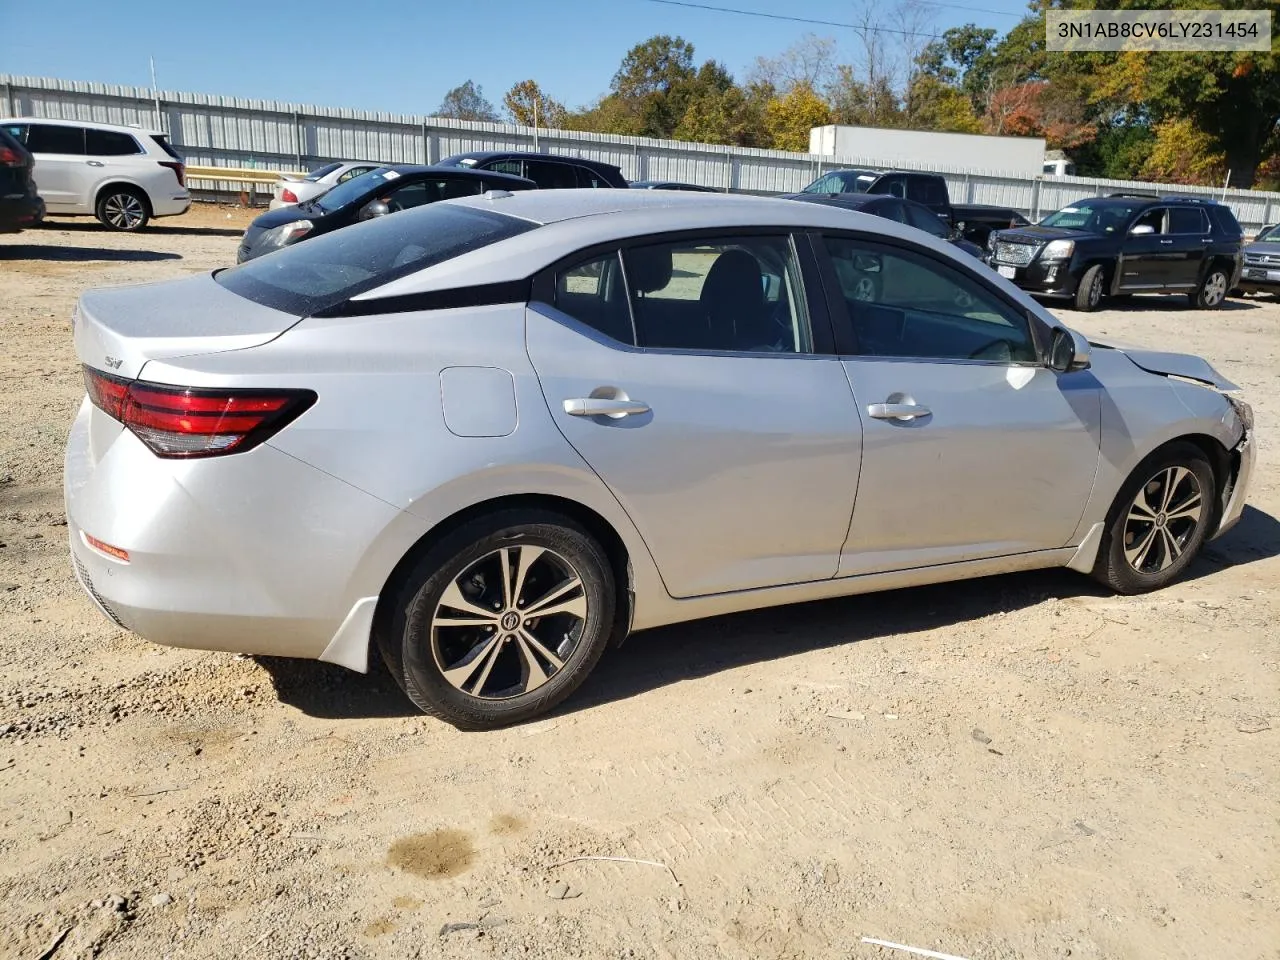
{"points": [[501, 620], [1159, 521], [1089, 292]]}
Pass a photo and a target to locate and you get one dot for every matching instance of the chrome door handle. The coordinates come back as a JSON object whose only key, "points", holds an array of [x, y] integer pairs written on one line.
{"points": [[897, 411], [95, 163], [604, 407]]}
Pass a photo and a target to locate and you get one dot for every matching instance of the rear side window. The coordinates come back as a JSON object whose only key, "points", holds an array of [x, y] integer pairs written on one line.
{"points": [[330, 269], [589, 178], [167, 147], [109, 143], [552, 176], [1226, 221], [47, 138], [928, 190], [18, 131], [1187, 220], [514, 167]]}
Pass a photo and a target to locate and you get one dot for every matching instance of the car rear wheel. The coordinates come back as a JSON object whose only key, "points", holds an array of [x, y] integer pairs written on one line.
{"points": [[123, 208], [1159, 521], [1089, 291], [1212, 290], [501, 620]]}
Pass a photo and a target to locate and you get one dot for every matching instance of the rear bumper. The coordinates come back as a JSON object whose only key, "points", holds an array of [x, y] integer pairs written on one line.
{"points": [[252, 553], [171, 205], [19, 213]]}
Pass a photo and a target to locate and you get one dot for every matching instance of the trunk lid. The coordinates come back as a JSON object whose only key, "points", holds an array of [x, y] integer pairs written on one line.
{"points": [[119, 329]]}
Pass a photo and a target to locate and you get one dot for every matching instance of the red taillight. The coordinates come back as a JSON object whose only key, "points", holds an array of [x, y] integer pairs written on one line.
{"points": [[10, 157], [288, 196], [179, 170], [186, 422]]}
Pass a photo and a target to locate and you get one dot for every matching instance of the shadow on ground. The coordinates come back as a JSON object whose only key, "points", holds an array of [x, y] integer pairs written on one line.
{"points": [[26, 251], [154, 227], [700, 648]]}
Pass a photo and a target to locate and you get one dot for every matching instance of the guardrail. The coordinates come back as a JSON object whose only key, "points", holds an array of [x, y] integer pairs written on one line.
{"points": [[237, 174]]}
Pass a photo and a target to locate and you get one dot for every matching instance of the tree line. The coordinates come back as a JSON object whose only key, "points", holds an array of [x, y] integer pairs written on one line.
{"points": [[1171, 117]]}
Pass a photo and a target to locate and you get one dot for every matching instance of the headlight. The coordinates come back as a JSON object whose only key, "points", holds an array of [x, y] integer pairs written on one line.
{"points": [[286, 234], [1058, 250]]}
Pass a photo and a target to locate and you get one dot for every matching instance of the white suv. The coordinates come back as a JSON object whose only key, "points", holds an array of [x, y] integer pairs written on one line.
{"points": [[124, 176]]}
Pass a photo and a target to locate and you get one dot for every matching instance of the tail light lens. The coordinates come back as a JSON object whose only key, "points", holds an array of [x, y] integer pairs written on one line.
{"points": [[9, 157], [288, 196], [179, 170], [189, 422]]}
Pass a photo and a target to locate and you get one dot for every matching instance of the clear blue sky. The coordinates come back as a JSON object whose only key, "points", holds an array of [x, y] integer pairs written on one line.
{"points": [[403, 56]]}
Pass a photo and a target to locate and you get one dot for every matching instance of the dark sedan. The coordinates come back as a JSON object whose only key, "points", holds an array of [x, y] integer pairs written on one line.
{"points": [[374, 194], [20, 206], [893, 208]]}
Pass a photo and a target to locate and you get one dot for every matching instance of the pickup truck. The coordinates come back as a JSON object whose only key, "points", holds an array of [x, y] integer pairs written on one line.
{"points": [[973, 222]]}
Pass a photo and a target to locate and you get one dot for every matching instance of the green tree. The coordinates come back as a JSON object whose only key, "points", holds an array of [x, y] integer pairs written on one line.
{"points": [[789, 118], [467, 102], [937, 106], [864, 104], [1183, 153], [652, 86], [526, 102]]}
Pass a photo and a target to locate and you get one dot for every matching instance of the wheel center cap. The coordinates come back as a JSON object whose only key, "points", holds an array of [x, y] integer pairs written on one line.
{"points": [[510, 620], [1160, 519]]}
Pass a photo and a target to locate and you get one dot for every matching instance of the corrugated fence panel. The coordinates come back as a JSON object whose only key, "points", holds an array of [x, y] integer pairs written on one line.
{"points": [[237, 132]]}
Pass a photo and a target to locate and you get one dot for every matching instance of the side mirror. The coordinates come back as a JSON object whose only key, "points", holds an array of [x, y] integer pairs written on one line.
{"points": [[1142, 230], [867, 263], [1068, 351], [374, 208]]}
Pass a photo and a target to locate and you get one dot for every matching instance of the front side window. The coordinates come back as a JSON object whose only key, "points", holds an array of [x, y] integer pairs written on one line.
{"points": [[18, 131], [513, 167], [927, 190], [1153, 219], [733, 294], [109, 143], [905, 304], [353, 173], [894, 186], [50, 138], [922, 218]]}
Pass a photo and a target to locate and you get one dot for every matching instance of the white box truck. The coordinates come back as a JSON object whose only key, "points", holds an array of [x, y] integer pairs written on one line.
{"points": [[924, 149]]}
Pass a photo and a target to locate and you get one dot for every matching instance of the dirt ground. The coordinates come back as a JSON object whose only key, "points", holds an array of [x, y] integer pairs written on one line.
{"points": [[1016, 767]]}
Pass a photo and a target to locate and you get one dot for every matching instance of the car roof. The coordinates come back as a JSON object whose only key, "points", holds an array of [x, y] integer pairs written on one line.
{"points": [[525, 155], [573, 220], [466, 173], [842, 199], [114, 127]]}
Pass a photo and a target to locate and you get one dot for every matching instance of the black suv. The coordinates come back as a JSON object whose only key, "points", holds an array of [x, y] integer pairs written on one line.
{"points": [[1124, 244], [929, 189], [20, 206], [547, 170]]}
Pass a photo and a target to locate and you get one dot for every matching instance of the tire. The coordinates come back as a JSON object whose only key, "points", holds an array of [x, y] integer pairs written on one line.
{"points": [[465, 652], [123, 208], [1212, 290], [1128, 562], [1089, 290]]}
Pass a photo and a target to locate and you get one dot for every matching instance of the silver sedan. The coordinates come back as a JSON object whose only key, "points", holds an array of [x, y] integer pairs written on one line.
{"points": [[291, 189], [487, 438]]}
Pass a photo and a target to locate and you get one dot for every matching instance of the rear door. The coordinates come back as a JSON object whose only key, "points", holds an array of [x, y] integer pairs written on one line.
{"points": [[972, 449], [700, 386], [110, 154], [61, 167], [1189, 231]]}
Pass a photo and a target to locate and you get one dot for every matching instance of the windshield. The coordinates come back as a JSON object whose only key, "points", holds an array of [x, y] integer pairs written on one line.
{"points": [[324, 171], [1270, 234], [842, 181], [1093, 216], [334, 267], [353, 189]]}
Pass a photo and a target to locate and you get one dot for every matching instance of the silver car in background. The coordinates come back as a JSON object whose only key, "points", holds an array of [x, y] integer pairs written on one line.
{"points": [[490, 436], [293, 189]]}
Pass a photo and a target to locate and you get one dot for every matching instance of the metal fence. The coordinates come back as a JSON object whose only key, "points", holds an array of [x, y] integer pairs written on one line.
{"points": [[234, 132]]}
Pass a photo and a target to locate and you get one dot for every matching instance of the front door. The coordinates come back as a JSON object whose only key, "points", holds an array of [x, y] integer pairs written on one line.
{"points": [[971, 448], [695, 391], [1146, 259]]}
